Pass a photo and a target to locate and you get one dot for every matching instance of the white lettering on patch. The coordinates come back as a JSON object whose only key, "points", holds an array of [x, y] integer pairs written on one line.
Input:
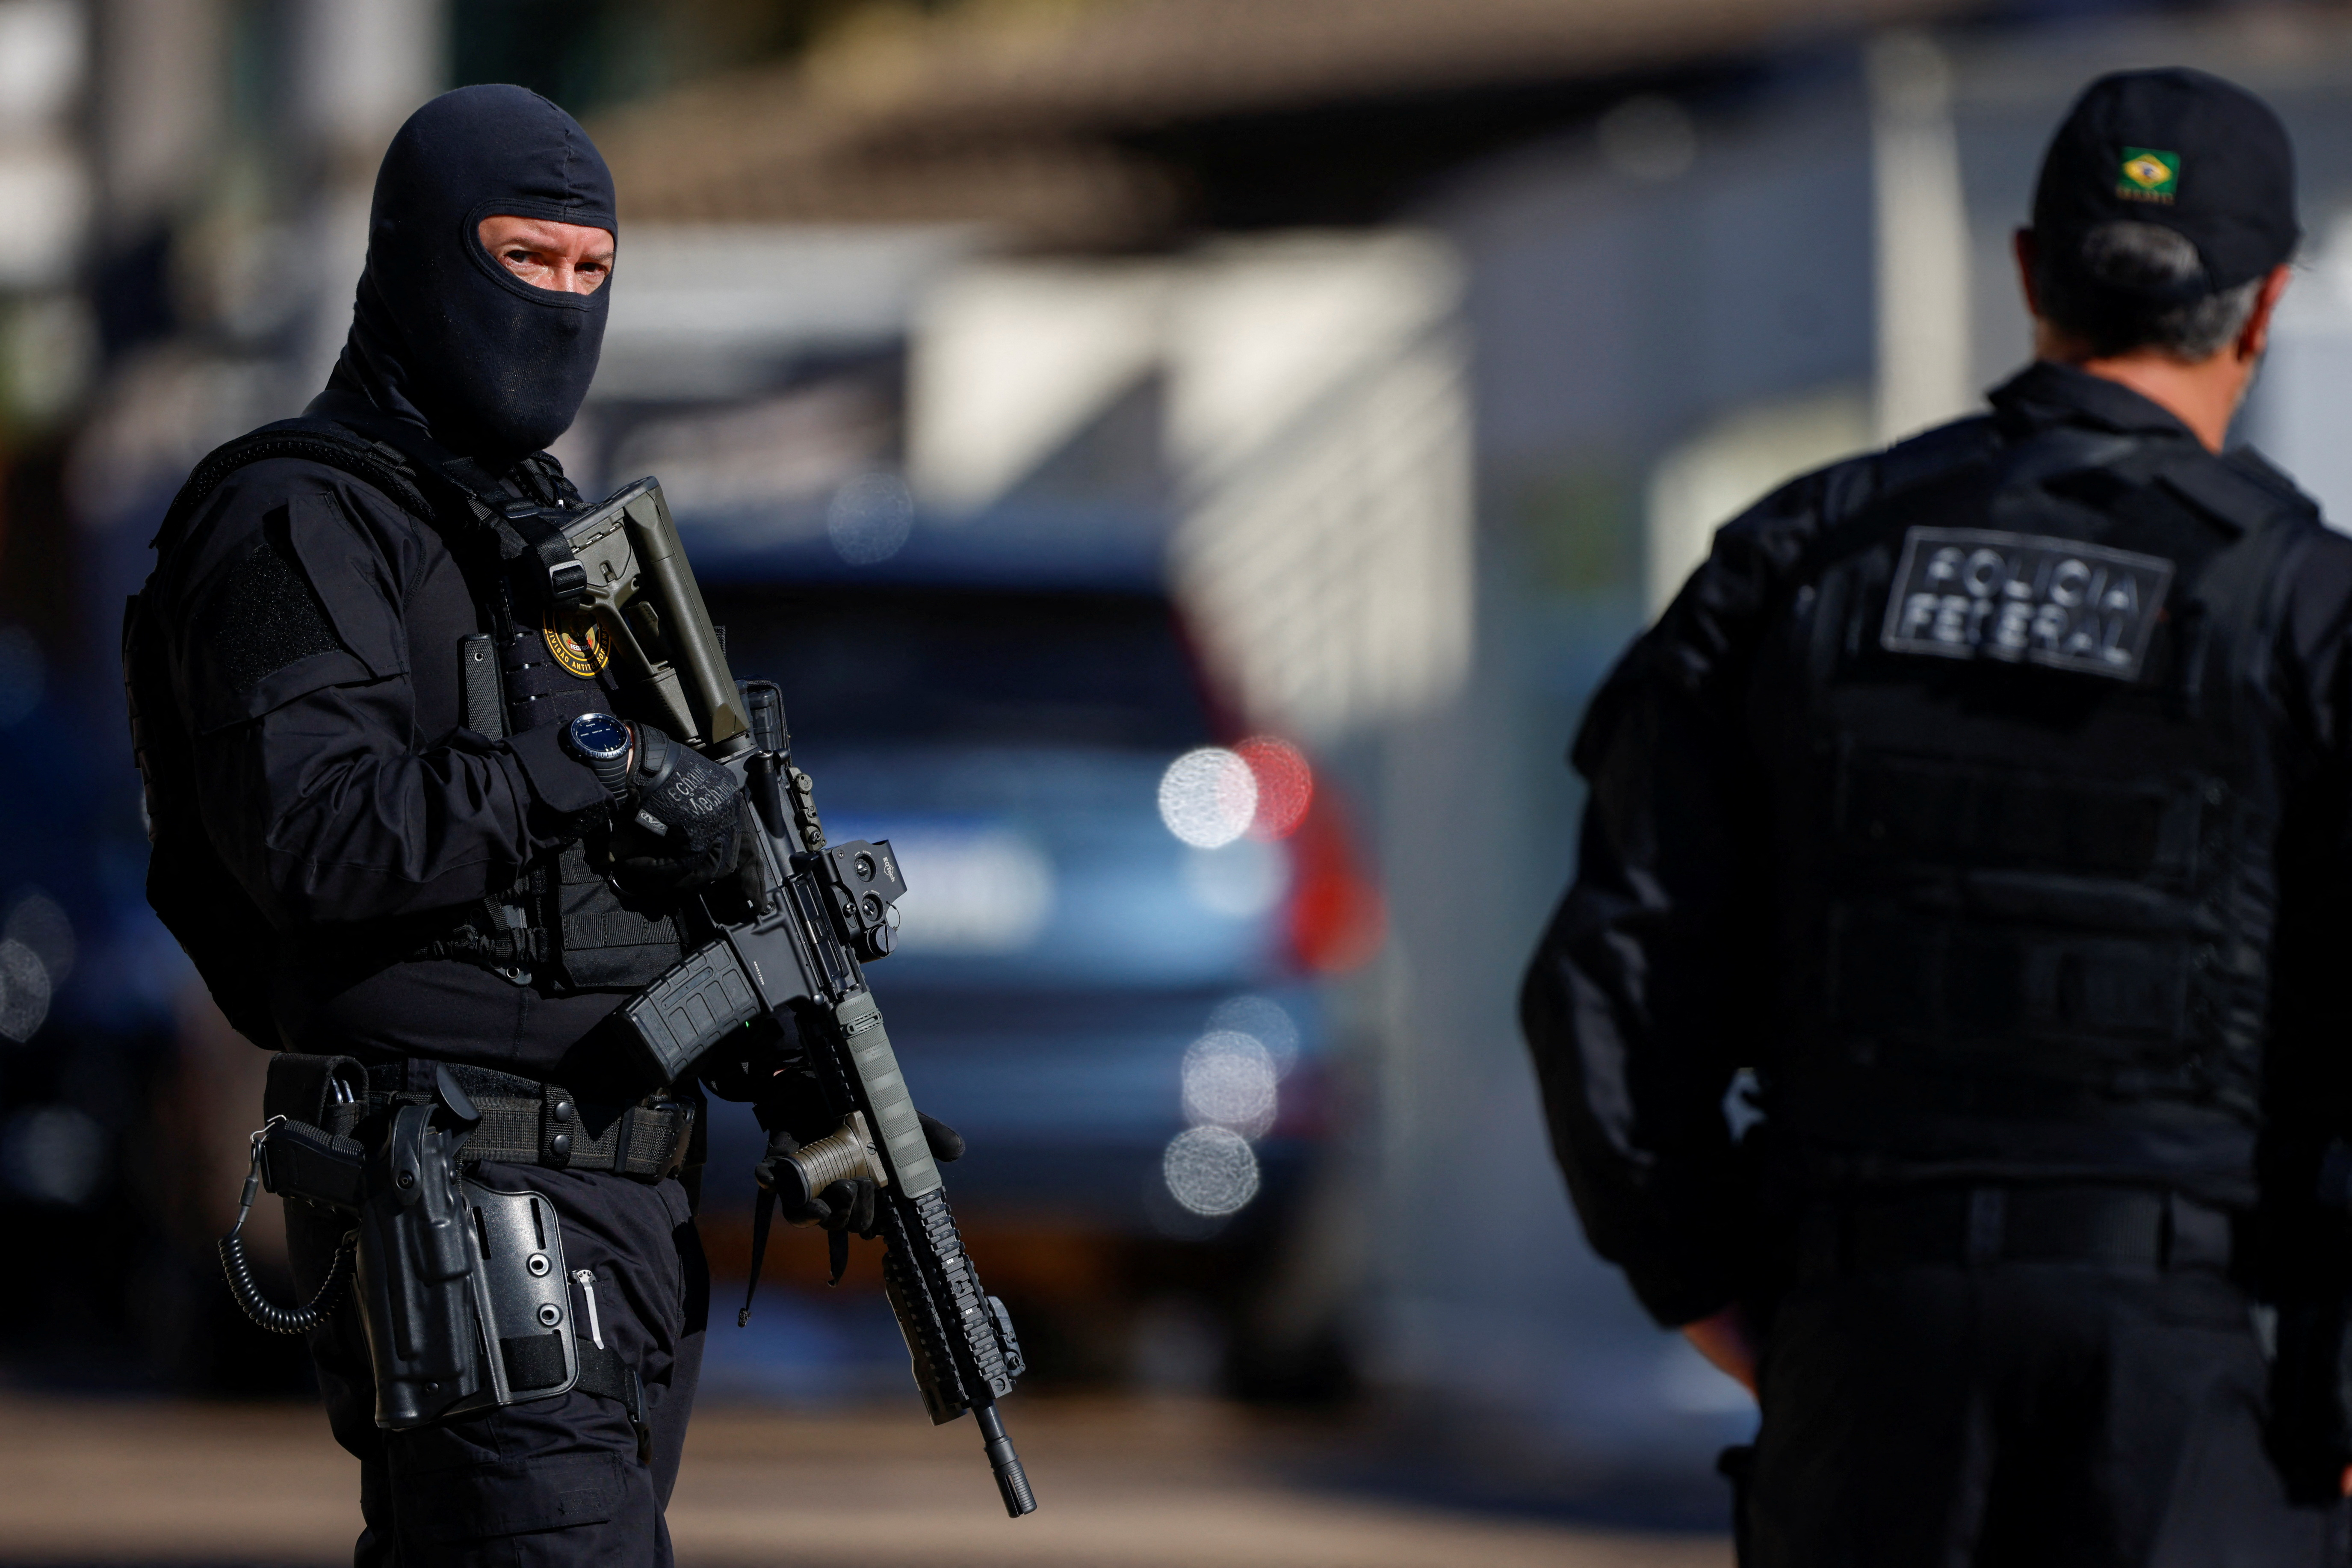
{"points": [[1971, 592]]}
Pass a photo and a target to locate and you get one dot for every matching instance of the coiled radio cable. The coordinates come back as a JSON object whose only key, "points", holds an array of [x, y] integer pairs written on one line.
{"points": [[265, 1313]]}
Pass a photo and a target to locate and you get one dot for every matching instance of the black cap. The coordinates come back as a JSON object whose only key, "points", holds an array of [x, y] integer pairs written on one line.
{"points": [[2198, 155]]}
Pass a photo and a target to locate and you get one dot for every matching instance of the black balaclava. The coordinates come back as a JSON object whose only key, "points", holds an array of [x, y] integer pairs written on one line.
{"points": [[444, 335]]}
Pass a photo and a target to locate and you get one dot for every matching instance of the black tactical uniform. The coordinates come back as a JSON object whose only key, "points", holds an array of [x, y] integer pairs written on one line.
{"points": [[408, 873], [1987, 797]]}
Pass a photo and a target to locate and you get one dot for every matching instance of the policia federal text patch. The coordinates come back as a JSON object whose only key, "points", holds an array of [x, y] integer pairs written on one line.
{"points": [[1975, 593]]}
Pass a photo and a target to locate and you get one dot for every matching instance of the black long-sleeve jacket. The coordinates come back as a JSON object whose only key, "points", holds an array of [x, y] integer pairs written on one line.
{"points": [[313, 628], [1663, 973]]}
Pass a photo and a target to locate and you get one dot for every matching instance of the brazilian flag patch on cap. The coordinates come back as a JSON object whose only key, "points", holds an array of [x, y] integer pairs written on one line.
{"points": [[2148, 175]]}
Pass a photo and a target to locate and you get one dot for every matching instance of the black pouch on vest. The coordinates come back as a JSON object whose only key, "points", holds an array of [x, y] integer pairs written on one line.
{"points": [[311, 1105], [327, 1092], [609, 942]]}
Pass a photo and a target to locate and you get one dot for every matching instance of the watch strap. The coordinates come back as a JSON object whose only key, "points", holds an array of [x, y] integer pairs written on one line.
{"points": [[612, 771]]}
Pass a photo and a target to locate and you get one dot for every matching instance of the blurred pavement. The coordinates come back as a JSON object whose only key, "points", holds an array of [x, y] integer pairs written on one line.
{"points": [[1122, 1484]]}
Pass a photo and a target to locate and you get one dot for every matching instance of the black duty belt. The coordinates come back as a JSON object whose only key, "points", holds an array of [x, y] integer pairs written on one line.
{"points": [[525, 1123], [2127, 1229]]}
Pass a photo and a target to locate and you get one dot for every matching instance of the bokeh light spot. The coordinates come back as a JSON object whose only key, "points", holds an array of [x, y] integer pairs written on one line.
{"points": [[1264, 1020], [39, 922], [1210, 1170], [24, 990], [870, 519], [1286, 786], [1208, 797], [1229, 1082]]}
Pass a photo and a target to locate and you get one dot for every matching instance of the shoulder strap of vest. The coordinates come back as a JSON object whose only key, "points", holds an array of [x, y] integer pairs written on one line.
{"points": [[1970, 443], [2239, 491], [1932, 454], [1866, 482], [524, 530], [320, 441]]}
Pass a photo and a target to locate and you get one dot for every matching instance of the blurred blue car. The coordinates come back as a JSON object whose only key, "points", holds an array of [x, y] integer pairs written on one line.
{"points": [[1124, 1025]]}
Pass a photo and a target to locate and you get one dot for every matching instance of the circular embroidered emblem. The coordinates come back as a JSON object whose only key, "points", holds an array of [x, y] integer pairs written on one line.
{"points": [[579, 644]]}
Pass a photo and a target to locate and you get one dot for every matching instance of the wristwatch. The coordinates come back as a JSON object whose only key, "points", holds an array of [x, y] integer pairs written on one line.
{"points": [[603, 743]]}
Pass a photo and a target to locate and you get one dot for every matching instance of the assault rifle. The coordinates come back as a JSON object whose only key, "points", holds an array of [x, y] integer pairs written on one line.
{"points": [[811, 913]]}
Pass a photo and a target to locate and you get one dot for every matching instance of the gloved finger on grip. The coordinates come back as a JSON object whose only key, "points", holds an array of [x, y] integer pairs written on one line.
{"points": [[852, 1202], [869, 1219], [836, 1253], [684, 824], [781, 1146], [778, 1173], [650, 763], [947, 1143], [682, 861]]}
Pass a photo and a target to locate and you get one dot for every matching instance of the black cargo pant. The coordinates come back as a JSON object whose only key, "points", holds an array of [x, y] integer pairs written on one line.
{"points": [[2017, 1414], [554, 1481]]}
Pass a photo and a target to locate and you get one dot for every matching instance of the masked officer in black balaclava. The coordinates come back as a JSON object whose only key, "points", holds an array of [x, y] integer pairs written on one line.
{"points": [[371, 860], [1990, 798]]}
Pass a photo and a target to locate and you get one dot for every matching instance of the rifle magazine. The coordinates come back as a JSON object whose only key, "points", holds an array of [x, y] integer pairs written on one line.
{"points": [[690, 1009]]}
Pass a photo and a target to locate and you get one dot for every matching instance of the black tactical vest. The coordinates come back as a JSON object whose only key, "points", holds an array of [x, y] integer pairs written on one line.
{"points": [[563, 926], [2020, 739], [585, 933]]}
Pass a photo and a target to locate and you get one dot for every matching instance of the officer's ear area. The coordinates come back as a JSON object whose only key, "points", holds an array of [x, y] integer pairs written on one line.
{"points": [[2026, 250], [296, 606], [2254, 339]]}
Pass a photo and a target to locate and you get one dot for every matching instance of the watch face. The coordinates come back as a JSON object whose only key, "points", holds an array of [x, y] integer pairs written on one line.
{"points": [[599, 735]]}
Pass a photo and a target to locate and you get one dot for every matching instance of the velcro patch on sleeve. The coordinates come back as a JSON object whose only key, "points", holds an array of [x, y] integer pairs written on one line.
{"points": [[1975, 593], [265, 617]]}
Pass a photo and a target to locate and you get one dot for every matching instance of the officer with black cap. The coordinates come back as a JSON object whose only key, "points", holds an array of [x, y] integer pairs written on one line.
{"points": [[427, 886], [1988, 798]]}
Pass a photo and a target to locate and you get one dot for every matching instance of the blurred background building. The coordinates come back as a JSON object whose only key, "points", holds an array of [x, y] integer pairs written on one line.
{"points": [[1188, 461]]}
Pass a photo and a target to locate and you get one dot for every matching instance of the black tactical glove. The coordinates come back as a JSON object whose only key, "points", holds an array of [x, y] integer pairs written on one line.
{"points": [[846, 1206], [752, 1065], [681, 821], [947, 1143]]}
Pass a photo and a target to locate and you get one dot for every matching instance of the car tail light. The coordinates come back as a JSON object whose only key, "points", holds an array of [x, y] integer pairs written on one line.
{"points": [[1335, 917], [1286, 786]]}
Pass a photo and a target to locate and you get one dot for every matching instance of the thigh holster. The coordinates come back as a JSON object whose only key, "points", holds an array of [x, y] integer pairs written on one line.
{"points": [[463, 1289]]}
